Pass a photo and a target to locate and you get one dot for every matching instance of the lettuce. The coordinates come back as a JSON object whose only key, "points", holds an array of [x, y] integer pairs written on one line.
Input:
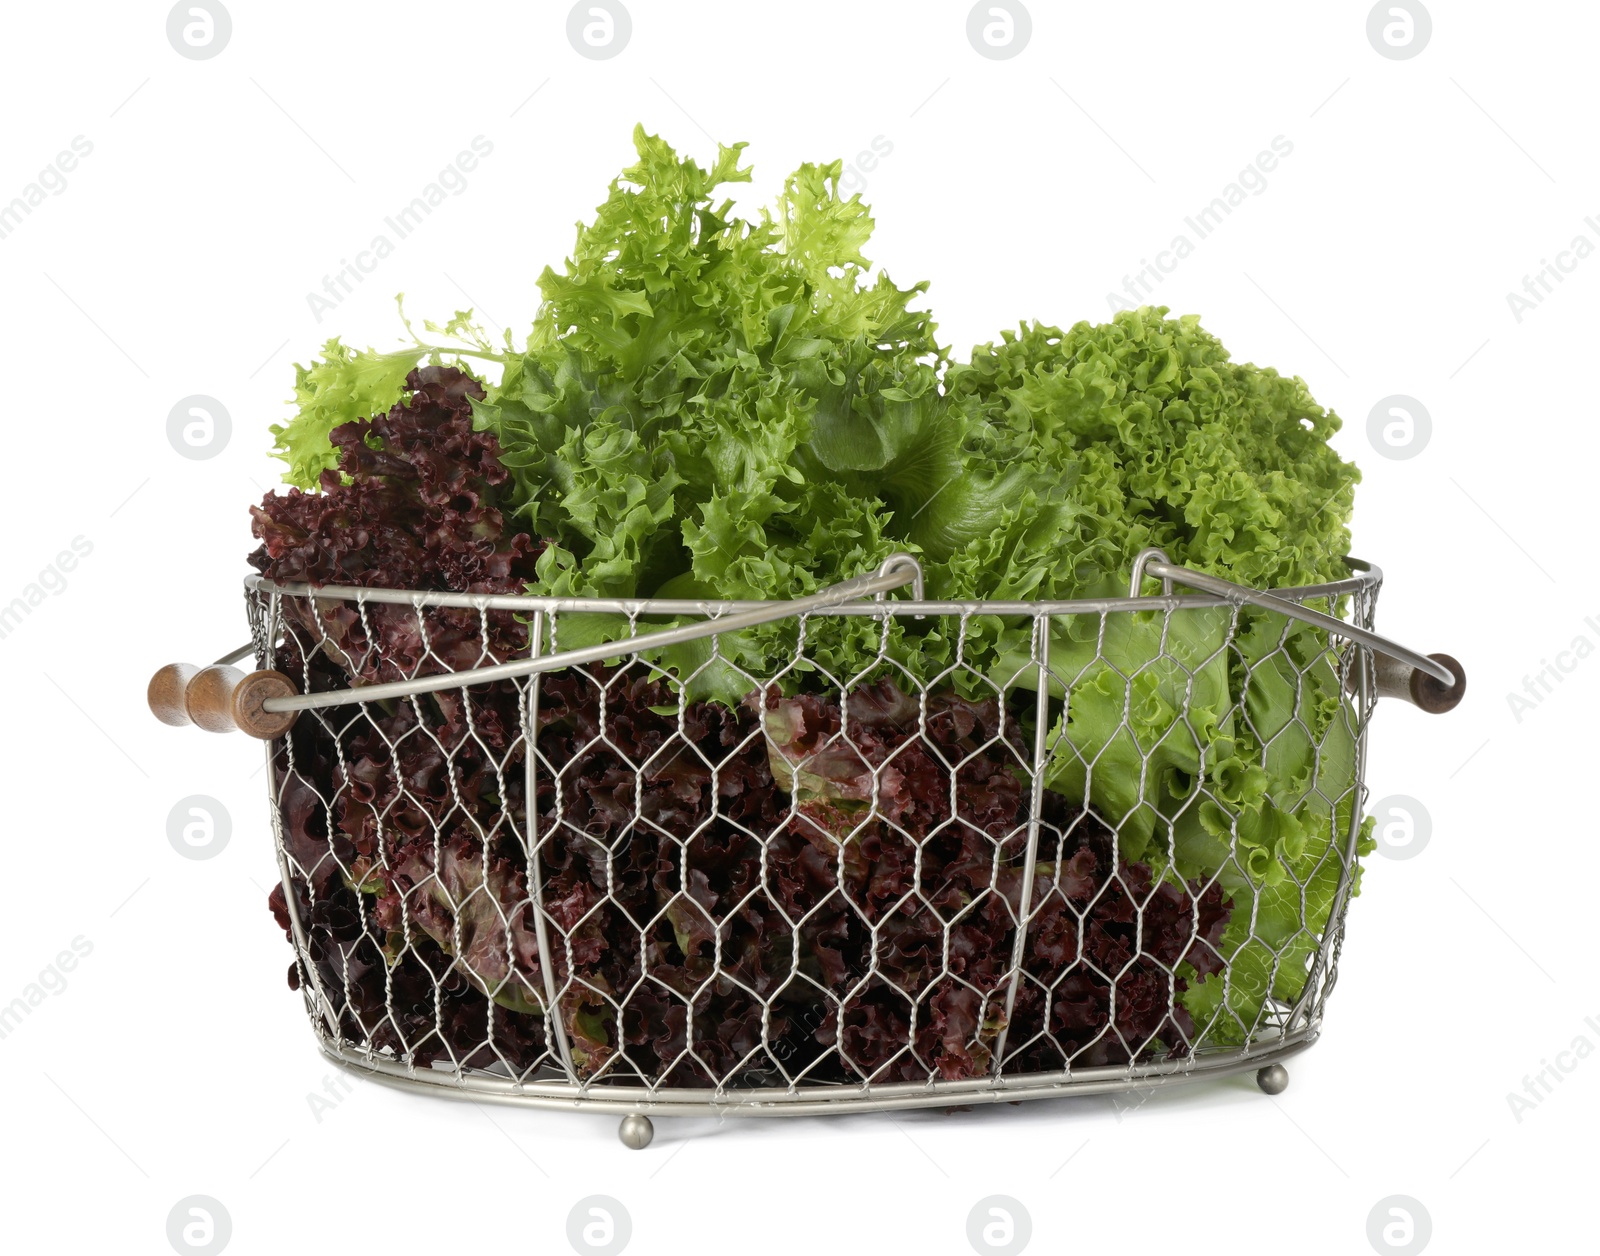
{"points": [[710, 406], [713, 406], [343, 386]]}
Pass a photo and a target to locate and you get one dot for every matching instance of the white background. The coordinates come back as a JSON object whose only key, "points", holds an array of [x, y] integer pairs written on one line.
{"points": [[219, 192]]}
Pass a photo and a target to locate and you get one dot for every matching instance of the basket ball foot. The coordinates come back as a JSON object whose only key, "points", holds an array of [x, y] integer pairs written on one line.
{"points": [[636, 1131], [1274, 1079]]}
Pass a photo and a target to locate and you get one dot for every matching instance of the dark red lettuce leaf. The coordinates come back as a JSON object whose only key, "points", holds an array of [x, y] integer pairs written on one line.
{"points": [[414, 505], [843, 877]]}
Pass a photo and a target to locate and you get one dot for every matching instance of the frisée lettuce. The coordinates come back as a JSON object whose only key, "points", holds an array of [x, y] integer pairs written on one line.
{"points": [[716, 407]]}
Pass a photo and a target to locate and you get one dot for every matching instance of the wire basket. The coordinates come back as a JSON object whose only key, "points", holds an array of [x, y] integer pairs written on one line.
{"points": [[581, 852]]}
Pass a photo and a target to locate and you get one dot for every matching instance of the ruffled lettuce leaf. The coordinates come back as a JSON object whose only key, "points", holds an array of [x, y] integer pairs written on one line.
{"points": [[713, 407], [345, 385]]}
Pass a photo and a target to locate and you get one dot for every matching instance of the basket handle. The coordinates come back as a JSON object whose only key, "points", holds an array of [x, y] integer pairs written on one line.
{"points": [[264, 704], [220, 698], [1434, 682]]}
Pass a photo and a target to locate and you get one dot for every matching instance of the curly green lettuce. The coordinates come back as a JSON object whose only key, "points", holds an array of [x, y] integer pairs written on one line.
{"points": [[717, 407]]}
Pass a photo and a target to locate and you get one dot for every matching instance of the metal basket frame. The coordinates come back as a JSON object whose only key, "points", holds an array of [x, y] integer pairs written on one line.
{"points": [[554, 1082]]}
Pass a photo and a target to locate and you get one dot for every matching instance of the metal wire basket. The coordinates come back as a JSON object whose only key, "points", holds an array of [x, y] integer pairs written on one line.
{"points": [[519, 869]]}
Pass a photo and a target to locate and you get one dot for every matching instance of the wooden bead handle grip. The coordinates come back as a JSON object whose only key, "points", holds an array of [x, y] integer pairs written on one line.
{"points": [[1396, 680], [221, 699], [1393, 678]]}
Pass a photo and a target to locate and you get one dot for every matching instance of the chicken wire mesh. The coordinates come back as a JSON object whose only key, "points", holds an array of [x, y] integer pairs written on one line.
{"points": [[670, 880]]}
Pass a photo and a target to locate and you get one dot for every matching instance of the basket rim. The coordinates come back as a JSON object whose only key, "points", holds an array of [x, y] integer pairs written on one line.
{"points": [[1366, 576], [815, 1099]]}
